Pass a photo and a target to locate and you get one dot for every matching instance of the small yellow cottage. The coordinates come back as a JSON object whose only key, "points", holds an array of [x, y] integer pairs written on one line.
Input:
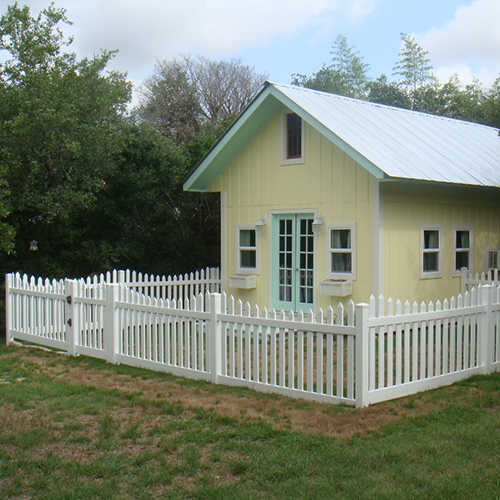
{"points": [[326, 198]]}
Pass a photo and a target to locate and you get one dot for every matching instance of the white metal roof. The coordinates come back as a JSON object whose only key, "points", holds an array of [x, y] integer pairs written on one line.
{"points": [[405, 144]]}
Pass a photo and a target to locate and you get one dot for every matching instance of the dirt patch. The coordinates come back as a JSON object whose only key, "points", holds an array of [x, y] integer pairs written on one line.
{"points": [[280, 412]]}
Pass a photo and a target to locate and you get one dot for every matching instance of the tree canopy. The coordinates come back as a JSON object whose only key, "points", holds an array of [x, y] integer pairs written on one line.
{"points": [[415, 87], [190, 93], [346, 75]]}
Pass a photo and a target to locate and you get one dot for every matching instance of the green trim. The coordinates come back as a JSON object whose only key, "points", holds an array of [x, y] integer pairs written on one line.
{"points": [[294, 304]]}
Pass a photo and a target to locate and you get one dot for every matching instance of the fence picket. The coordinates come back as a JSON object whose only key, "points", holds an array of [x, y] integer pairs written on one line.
{"points": [[193, 333]]}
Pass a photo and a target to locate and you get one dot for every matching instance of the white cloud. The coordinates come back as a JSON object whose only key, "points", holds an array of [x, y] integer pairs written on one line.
{"points": [[359, 9], [469, 43], [160, 29]]}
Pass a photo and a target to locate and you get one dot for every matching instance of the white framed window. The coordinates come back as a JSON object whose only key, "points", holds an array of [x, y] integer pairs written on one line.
{"points": [[431, 251], [462, 238], [341, 250], [246, 249], [491, 257], [292, 138]]}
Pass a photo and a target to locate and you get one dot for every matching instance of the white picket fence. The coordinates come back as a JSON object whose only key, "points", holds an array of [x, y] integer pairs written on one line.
{"points": [[359, 356], [470, 280]]}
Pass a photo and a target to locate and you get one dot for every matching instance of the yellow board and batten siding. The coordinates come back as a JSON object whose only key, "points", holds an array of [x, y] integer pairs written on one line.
{"points": [[408, 206], [328, 183]]}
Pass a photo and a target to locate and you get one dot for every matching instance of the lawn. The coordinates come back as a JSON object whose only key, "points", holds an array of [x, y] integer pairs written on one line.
{"points": [[77, 428]]}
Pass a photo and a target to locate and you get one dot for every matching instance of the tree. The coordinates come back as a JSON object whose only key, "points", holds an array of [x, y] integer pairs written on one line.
{"points": [[491, 105], [456, 101], [413, 67], [384, 92], [346, 75], [59, 129], [186, 94]]}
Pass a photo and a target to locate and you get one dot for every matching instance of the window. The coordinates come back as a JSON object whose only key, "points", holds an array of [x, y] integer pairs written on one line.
{"points": [[431, 255], [463, 248], [293, 139], [341, 251], [293, 136], [491, 257], [246, 249]]}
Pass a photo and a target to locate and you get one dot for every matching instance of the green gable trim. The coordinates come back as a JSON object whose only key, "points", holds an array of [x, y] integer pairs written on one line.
{"points": [[247, 125], [233, 141]]}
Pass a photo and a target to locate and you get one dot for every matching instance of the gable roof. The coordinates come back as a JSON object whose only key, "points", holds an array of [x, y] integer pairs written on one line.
{"points": [[391, 143]]}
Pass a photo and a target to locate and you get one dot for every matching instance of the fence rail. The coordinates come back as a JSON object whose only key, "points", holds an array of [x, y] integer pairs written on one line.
{"points": [[358, 356]]}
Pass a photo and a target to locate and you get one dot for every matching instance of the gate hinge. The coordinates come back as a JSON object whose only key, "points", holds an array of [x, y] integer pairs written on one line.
{"points": [[69, 322], [68, 299]]}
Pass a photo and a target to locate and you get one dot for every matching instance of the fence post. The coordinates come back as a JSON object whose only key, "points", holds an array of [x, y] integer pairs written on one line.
{"points": [[8, 309], [111, 339], [487, 331], [70, 316], [215, 337], [213, 277], [362, 342], [463, 279], [121, 276]]}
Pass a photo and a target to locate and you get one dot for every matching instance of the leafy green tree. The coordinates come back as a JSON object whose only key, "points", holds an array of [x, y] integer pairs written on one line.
{"points": [[413, 67], [347, 74], [455, 100], [146, 221], [384, 92], [59, 130], [491, 105]]}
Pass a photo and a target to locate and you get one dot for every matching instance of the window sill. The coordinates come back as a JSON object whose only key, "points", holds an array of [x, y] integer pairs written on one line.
{"points": [[336, 288], [244, 281]]}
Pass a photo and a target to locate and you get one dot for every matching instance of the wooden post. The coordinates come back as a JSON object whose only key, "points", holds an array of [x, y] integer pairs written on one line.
{"points": [[362, 343], [487, 330], [111, 339], [215, 337], [70, 316]]}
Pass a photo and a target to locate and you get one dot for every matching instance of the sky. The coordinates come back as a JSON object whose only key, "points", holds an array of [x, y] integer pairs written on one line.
{"points": [[284, 37]]}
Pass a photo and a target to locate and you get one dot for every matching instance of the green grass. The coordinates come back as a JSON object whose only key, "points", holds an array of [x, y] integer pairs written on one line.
{"points": [[74, 441]]}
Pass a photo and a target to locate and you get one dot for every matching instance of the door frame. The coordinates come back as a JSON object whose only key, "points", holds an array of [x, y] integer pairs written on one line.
{"points": [[313, 212]]}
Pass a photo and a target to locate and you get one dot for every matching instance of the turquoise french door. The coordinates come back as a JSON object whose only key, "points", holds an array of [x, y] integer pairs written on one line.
{"points": [[293, 262]]}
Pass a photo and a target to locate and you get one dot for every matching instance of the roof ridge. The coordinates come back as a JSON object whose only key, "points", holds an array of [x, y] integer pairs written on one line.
{"points": [[380, 105]]}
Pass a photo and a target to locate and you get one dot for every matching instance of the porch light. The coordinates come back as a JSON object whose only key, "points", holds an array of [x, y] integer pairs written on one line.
{"points": [[259, 225], [33, 245], [317, 223]]}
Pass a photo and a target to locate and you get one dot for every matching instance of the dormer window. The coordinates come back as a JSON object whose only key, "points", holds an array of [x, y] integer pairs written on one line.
{"points": [[293, 139], [293, 136]]}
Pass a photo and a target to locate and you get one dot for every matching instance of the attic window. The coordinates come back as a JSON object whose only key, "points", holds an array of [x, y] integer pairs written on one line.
{"points": [[293, 136]]}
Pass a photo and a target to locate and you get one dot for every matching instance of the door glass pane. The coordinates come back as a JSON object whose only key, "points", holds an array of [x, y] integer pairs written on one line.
{"points": [[285, 260]]}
